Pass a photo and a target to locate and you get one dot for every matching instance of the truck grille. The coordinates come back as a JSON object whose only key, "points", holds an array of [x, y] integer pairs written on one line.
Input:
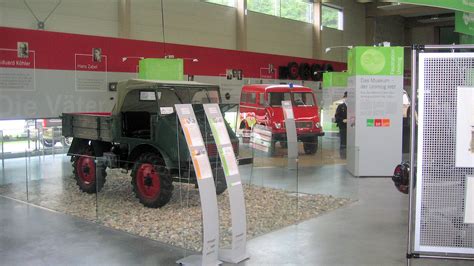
{"points": [[304, 124]]}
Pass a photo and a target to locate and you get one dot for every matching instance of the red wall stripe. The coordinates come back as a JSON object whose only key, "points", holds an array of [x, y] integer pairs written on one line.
{"points": [[56, 51]]}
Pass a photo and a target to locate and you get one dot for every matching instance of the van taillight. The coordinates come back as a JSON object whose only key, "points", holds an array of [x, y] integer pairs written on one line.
{"points": [[44, 123]]}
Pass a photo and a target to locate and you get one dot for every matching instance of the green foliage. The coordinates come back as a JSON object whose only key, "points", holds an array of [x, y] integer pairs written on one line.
{"points": [[296, 9], [330, 17], [292, 9], [223, 2], [263, 6]]}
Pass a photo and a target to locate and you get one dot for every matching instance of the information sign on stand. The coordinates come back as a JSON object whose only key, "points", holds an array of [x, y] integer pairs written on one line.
{"points": [[261, 138], [291, 137], [207, 189], [238, 251], [374, 110]]}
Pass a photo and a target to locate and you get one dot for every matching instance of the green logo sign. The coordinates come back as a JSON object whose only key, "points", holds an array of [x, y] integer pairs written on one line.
{"points": [[372, 61], [381, 61], [465, 23]]}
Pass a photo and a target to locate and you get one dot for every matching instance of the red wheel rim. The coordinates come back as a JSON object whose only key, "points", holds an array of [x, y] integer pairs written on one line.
{"points": [[86, 169], [294, 70], [148, 181]]}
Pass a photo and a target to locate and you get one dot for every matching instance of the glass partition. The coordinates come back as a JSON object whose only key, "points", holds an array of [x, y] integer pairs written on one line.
{"points": [[278, 192]]}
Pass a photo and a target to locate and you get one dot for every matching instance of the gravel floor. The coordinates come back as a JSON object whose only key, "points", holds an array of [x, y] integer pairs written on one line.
{"points": [[179, 222]]}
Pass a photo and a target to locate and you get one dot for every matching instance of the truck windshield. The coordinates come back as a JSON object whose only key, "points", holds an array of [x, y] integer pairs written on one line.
{"points": [[299, 98], [303, 99], [168, 97], [275, 98]]}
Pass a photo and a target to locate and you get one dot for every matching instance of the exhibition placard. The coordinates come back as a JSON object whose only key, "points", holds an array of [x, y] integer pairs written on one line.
{"points": [[465, 127], [374, 110], [237, 252], [206, 185]]}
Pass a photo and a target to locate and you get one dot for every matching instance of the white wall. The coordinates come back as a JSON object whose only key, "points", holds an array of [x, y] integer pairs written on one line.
{"points": [[73, 16], [186, 22], [190, 22], [274, 35]]}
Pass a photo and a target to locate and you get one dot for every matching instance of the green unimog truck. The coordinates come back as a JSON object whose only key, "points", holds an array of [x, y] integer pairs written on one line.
{"points": [[141, 134]]}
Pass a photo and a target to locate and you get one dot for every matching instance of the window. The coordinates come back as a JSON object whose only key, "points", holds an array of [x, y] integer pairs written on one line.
{"points": [[253, 98], [275, 98], [223, 2], [262, 99], [303, 99], [297, 10], [332, 17], [301, 10], [269, 7], [243, 97]]}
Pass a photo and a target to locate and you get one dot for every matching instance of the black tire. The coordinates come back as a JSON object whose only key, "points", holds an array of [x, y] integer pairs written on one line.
{"points": [[85, 171], [219, 181], [293, 70], [154, 190], [311, 146], [316, 72], [304, 71], [48, 143], [328, 68]]}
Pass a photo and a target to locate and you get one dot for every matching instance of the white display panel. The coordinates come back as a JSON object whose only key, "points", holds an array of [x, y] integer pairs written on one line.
{"points": [[465, 127], [440, 184]]}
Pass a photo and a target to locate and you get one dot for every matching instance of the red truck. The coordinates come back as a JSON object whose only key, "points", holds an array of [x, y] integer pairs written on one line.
{"points": [[261, 104]]}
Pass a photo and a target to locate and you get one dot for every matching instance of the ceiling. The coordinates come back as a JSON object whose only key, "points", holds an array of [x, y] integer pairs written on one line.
{"points": [[414, 14]]}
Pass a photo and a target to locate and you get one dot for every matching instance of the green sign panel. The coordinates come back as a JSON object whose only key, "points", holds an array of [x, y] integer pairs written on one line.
{"points": [[334, 79], [161, 69], [459, 5], [380, 61], [466, 39], [465, 23]]}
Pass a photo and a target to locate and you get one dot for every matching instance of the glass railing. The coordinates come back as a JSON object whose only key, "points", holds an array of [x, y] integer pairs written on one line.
{"points": [[278, 192]]}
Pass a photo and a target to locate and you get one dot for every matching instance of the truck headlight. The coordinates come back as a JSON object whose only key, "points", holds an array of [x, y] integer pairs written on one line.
{"points": [[318, 125], [277, 125]]}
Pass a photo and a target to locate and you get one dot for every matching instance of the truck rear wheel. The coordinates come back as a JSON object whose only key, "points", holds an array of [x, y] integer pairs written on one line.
{"points": [[152, 183], [311, 145], [85, 171]]}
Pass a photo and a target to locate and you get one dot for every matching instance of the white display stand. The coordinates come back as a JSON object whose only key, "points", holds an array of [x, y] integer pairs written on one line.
{"points": [[374, 110], [207, 189], [238, 251], [291, 136]]}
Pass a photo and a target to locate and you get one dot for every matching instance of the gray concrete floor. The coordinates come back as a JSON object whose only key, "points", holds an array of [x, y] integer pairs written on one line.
{"points": [[371, 231]]}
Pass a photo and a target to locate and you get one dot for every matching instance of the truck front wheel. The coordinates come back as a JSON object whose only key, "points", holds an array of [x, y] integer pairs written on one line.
{"points": [[85, 171], [152, 183], [311, 145]]}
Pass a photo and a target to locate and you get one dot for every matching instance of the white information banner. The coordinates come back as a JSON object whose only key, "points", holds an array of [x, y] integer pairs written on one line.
{"points": [[465, 127]]}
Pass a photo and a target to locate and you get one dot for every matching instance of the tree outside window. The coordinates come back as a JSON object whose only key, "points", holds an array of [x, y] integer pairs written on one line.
{"points": [[332, 17], [223, 2]]}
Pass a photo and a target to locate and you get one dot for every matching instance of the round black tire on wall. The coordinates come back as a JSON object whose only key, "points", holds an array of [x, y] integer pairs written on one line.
{"points": [[304, 71], [293, 70], [151, 181], [316, 72]]}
